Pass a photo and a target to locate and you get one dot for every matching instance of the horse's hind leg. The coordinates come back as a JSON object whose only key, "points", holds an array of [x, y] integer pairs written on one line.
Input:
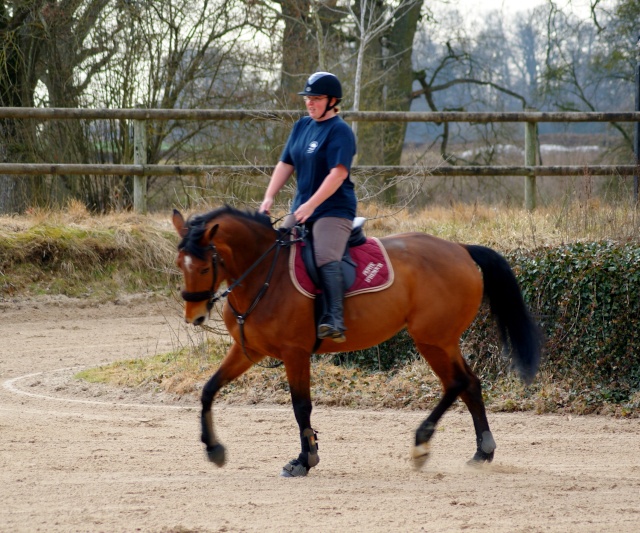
{"points": [[457, 380], [234, 364], [454, 380], [472, 397], [298, 368]]}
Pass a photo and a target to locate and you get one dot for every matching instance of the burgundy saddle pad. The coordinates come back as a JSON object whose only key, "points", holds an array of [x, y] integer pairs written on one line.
{"points": [[373, 271]]}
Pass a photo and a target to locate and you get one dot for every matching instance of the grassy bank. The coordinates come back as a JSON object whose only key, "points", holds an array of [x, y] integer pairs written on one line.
{"points": [[74, 254]]}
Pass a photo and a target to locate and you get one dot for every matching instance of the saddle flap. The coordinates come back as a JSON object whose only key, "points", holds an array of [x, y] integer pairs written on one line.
{"points": [[348, 265]]}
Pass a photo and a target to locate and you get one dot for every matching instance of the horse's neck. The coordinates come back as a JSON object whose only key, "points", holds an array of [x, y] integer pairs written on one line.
{"points": [[247, 245]]}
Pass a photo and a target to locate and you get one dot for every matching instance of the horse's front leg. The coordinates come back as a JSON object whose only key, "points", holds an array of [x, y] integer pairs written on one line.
{"points": [[298, 368], [234, 364]]}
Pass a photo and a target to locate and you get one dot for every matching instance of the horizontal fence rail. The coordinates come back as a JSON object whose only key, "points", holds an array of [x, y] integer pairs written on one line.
{"points": [[140, 170], [358, 116], [252, 170]]}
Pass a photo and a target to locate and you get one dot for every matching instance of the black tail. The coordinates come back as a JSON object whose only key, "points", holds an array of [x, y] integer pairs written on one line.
{"points": [[517, 328]]}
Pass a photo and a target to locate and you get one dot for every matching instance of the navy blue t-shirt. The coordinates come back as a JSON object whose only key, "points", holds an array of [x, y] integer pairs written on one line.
{"points": [[314, 148]]}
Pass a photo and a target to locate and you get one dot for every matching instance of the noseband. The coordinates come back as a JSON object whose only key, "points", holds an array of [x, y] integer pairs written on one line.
{"points": [[209, 295]]}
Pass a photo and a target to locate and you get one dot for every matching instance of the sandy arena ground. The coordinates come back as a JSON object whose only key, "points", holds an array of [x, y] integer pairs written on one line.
{"points": [[75, 457]]}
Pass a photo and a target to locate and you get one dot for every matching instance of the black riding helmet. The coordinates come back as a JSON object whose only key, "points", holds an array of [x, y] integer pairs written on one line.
{"points": [[323, 84]]}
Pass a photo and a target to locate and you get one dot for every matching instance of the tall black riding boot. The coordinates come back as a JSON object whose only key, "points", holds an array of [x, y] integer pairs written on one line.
{"points": [[331, 324]]}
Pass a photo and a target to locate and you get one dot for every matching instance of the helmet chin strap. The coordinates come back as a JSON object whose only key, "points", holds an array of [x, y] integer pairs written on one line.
{"points": [[329, 106]]}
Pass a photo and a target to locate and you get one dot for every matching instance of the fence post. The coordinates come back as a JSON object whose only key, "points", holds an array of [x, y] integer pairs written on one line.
{"points": [[636, 141], [530, 145], [140, 158]]}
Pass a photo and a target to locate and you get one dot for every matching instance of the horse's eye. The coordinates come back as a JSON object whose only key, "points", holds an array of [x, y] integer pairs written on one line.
{"points": [[205, 271]]}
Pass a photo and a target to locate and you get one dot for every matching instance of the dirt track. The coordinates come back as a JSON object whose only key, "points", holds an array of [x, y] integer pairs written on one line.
{"points": [[85, 458]]}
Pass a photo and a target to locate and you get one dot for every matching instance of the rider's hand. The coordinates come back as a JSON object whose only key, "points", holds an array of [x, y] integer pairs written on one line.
{"points": [[265, 206], [303, 212]]}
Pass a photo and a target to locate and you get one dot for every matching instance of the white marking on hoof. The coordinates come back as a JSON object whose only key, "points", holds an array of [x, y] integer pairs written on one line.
{"points": [[420, 454], [488, 444]]}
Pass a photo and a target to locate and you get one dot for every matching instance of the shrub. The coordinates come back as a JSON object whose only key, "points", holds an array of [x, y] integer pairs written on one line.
{"points": [[55, 258], [586, 299]]}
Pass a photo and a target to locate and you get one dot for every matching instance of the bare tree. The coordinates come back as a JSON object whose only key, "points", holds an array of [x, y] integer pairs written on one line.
{"points": [[43, 46], [185, 53], [372, 20]]}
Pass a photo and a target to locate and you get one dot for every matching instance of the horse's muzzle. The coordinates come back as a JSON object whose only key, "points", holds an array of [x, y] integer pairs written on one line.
{"points": [[196, 313]]}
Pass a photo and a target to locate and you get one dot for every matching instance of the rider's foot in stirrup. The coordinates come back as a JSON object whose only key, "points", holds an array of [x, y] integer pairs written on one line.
{"points": [[327, 331]]}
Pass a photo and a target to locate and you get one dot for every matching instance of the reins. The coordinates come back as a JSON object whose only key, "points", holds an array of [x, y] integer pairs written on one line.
{"points": [[212, 296]]}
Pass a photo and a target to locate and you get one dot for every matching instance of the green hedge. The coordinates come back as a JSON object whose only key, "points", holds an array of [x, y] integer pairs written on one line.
{"points": [[586, 298]]}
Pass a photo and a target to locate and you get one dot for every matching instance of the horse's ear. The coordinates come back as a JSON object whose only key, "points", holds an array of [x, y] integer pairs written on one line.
{"points": [[211, 232], [179, 224]]}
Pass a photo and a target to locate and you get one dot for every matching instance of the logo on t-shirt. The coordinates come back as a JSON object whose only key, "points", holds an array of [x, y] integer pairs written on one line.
{"points": [[312, 147]]}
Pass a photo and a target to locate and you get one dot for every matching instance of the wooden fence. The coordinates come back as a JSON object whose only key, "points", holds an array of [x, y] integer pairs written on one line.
{"points": [[141, 170]]}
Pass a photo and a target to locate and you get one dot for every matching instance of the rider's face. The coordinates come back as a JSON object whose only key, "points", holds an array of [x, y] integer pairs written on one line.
{"points": [[316, 106]]}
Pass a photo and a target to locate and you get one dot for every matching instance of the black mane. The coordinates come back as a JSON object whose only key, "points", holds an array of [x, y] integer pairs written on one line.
{"points": [[197, 224]]}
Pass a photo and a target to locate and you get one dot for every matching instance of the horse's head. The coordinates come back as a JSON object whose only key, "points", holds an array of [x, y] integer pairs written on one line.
{"points": [[215, 247], [200, 264]]}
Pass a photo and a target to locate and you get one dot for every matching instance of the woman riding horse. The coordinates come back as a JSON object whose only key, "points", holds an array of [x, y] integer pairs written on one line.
{"points": [[436, 293], [320, 150]]}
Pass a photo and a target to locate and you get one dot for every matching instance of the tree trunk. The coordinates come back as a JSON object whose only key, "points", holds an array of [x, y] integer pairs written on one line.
{"points": [[389, 60], [399, 80], [19, 52], [299, 52]]}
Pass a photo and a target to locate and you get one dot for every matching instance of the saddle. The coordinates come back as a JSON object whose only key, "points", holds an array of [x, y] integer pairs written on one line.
{"points": [[347, 264], [365, 264]]}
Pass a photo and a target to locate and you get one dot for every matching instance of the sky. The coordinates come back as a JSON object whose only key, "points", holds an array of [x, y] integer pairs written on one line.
{"points": [[504, 5], [473, 10], [509, 7]]}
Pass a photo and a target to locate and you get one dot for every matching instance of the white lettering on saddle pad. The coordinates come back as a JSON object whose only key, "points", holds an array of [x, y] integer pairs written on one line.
{"points": [[371, 271]]}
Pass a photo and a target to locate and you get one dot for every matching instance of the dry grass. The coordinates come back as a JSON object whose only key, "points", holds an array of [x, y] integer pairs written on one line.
{"points": [[507, 228], [413, 386], [73, 253], [75, 214], [502, 227]]}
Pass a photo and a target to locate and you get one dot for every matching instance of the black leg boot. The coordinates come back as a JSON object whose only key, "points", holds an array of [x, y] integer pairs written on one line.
{"points": [[332, 322]]}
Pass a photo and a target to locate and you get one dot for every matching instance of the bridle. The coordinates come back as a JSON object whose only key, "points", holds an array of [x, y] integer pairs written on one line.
{"points": [[212, 296]]}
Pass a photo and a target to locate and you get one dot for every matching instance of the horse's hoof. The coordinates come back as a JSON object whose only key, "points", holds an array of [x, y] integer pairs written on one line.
{"points": [[216, 454], [486, 447], [419, 455], [294, 468], [480, 458]]}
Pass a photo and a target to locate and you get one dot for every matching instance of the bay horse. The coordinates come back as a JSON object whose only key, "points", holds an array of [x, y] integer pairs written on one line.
{"points": [[436, 293]]}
